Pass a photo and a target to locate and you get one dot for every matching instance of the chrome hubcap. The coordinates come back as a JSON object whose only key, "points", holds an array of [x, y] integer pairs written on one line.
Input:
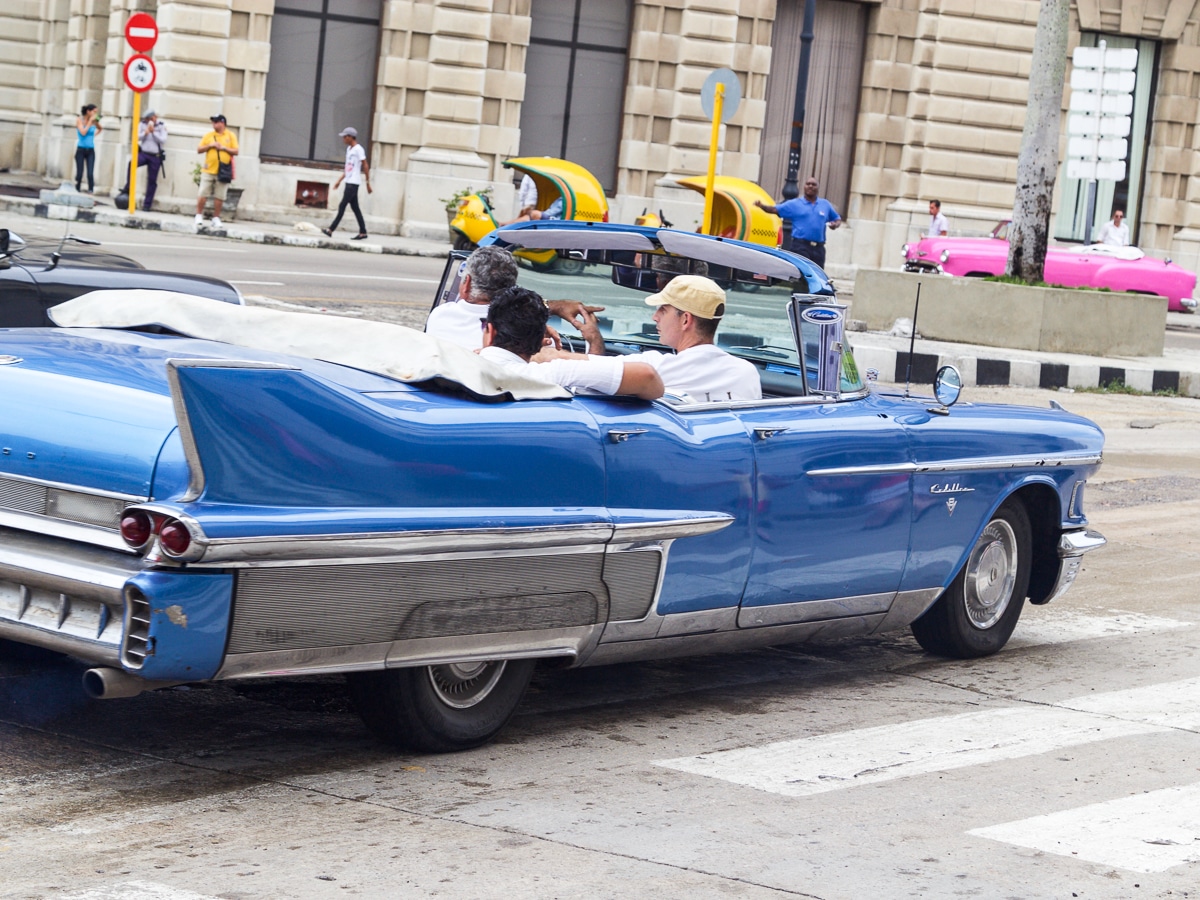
{"points": [[991, 574], [463, 685]]}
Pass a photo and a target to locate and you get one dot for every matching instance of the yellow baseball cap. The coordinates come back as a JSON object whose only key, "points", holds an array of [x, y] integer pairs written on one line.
{"points": [[696, 294]]}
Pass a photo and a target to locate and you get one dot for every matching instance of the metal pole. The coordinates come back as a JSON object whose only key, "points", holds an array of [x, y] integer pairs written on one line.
{"points": [[791, 187], [133, 160], [718, 108]]}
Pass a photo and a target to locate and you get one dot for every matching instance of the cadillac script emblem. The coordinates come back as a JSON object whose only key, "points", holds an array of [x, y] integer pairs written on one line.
{"points": [[6, 360]]}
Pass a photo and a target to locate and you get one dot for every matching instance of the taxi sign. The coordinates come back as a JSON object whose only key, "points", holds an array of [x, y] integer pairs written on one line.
{"points": [[140, 73], [141, 31]]}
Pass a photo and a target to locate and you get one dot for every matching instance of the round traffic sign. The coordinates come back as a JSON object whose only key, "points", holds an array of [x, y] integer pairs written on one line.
{"points": [[141, 31], [140, 72], [733, 93]]}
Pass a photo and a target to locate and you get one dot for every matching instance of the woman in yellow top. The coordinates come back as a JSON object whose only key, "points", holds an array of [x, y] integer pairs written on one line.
{"points": [[219, 146]]}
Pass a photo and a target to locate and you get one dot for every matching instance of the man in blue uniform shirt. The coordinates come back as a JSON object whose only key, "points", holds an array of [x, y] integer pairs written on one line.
{"points": [[810, 215]]}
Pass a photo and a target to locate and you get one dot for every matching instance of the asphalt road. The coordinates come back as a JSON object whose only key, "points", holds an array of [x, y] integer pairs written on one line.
{"points": [[392, 288], [1066, 766]]}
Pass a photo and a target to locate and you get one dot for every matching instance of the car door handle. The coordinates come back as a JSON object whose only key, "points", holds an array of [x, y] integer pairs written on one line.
{"points": [[618, 436], [763, 433]]}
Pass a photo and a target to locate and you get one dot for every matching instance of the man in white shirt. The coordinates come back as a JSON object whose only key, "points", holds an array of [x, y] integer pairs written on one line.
{"points": [[486, 272], [527, 195], [938, 227], [357, 171], [1116, 232], [689, 309], [515, 330]]}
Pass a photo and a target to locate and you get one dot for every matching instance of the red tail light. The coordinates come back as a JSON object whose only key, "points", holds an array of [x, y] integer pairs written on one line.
{"points": [[605, 219], [137, 527], [174, 537]]}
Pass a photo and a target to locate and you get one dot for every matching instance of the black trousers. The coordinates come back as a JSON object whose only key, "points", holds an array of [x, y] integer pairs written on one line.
{"points": [[810, 250], [350, 198], [85, 156]]}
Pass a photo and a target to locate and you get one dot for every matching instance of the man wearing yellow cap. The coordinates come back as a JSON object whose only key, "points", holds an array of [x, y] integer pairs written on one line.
{"points": [[689, 309]]}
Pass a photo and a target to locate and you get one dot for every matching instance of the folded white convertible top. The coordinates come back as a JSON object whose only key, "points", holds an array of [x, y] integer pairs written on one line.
{"points": [[391, 350]]}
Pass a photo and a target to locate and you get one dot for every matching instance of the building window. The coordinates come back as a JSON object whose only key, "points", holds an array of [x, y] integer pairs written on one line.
{"points": [[322, 77], [831, 100], [1111, 195], [575, 83]]}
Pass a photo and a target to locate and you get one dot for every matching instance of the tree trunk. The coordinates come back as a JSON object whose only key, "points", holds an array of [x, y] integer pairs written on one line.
{"points": [[1037, 164]]}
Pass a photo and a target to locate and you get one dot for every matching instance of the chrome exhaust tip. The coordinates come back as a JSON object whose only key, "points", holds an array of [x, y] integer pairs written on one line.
{"points": [[113, 684]]}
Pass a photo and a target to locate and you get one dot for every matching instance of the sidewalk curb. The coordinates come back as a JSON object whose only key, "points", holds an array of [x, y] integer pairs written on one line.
{"points": [[147, 222], [892, 365]]}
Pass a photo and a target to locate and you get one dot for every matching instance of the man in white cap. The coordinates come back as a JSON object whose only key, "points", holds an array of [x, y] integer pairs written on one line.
{"points": [[357, 172], [689, 309]]}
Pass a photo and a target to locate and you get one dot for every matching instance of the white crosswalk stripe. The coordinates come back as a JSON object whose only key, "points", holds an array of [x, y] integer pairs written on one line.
{"points": [[830, 762], [1149, 832], [137, 890]]}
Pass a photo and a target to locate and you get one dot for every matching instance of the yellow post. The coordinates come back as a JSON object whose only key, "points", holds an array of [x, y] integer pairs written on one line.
{"points": [[133, 160], [718, 103]]}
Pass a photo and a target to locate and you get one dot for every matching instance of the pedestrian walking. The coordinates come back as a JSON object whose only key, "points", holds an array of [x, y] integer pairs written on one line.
{"points": [[938, 227], [1116, 232], [357, 172], [810, 215], [219, 147], [87, 126]]}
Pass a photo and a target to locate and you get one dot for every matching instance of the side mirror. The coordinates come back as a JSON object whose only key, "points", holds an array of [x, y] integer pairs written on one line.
{"points": [[947, 386]]}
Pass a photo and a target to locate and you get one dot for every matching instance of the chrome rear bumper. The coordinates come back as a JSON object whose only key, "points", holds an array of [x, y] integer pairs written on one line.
{"points": [[63, 595]]}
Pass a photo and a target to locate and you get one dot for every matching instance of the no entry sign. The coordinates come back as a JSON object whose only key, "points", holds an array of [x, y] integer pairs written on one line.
{"points": [[141, 31]]}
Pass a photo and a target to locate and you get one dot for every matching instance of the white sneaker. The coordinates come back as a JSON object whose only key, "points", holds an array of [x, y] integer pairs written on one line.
{"points": [[199, 220], [216, 223]]}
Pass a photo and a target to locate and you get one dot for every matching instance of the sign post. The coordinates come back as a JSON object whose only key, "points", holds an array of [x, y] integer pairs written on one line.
{"points": [[141, 31], [1098, 120], [719, 98]]}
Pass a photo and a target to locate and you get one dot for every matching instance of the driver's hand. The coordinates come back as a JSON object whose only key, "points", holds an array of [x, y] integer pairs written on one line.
{"points": [[590, 329], [572, 311], [552, 339]]}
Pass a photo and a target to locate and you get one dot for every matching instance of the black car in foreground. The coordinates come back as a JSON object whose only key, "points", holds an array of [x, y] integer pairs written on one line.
{"points": [[38, 273]]}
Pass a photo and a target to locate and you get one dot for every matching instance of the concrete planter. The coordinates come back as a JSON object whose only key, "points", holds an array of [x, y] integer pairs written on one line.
{"points": [[971, 311]]}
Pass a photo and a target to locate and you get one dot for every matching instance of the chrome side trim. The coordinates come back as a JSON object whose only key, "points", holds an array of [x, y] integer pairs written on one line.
{"points": [[563, 642], [907, 608], [966, 465], [729, 641], [53, 565], [190, 453], [323, 549], [806, 400], [814, 610], [669, 529]]}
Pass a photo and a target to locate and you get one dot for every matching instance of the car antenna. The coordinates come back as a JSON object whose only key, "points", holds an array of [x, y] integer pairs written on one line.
{"points": [[57, 254], [912, 340]]}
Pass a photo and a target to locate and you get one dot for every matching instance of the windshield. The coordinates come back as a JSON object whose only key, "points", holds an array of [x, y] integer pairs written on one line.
{"points": [[755, 326]]}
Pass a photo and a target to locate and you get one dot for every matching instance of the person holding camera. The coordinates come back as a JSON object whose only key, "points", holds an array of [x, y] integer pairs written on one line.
{"points": [[219, 147], [152, 152]]}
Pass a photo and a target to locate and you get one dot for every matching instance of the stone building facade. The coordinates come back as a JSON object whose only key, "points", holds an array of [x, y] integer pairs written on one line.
{"points": [[906, 100]]}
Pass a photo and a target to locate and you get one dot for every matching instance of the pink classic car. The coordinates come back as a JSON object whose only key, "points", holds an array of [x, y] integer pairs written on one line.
{"points": [[1097, 265]]}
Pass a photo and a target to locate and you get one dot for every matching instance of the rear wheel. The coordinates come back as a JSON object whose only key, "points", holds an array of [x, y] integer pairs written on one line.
{"points": [[976, 615], [440, 709], [462, 242]]}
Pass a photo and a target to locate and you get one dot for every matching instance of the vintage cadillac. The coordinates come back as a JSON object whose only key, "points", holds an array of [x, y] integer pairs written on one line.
{"points": [[245, 493]]}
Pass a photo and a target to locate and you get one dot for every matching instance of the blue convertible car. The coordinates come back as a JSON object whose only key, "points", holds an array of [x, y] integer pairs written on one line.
{"points": [[237, 492]]}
